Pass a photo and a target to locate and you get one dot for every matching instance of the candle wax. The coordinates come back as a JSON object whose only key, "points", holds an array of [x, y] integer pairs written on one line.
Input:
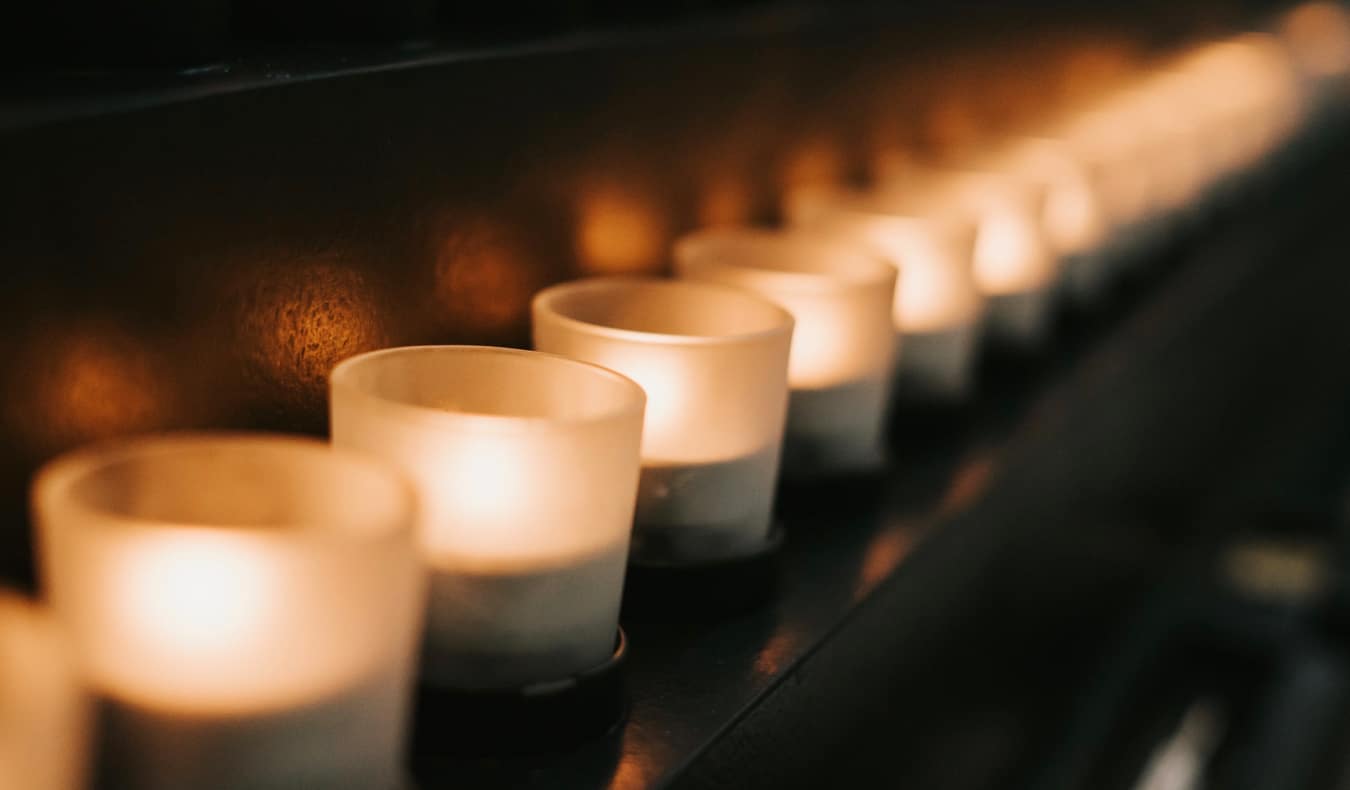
{"points": [[937, 366], [836, 429], [701, 511], [498, 629], [350, 741]]}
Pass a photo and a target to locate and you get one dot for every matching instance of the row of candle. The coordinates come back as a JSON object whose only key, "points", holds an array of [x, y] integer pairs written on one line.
{"points": [[250, 609]]}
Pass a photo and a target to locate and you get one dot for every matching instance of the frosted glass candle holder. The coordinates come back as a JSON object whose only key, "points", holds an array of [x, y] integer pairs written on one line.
{"points": [[1317, 37], [43, 710], [938, 307], [527, 466], [714, 363], [245, 607], [843, 341], [1014, 265], [1074, 216]]}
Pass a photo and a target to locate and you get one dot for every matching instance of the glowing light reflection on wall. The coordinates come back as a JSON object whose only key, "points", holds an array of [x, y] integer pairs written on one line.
{"points": [[484, 278], [299, 319], [620, 230], [86, 381]]}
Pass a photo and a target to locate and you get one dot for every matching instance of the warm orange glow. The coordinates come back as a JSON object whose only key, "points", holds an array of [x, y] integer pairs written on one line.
{"points": [[883, 555], [620, 230], [43, 711], [952, 126], [725, 202], [1318, 35], [809, 204], [843, 340], [1106, 140], [815, 161], [640, 765], [777, 651], [479, 427], [87, 381], [198, 603], [484, 279], [301, 318], [1247, 94], [1073, 216], [1091, 70], [1009, 254], [969, 482], [689, 346], [839, 294], [893, 165]]}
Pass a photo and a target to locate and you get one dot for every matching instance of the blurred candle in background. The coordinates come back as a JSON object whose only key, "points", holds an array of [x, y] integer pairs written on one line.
{"points": [[1317, 37], [1074, 218], [527, 466], [1014, 265], [713, 361], [938, 306], [43, 709], [245, 607], [1252, 100], [1157, 172], [1112, 140], [840, 366]]}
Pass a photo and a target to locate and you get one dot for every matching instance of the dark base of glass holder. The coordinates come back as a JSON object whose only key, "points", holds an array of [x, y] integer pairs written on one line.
{"points": [[544, 717], [656, 591]]}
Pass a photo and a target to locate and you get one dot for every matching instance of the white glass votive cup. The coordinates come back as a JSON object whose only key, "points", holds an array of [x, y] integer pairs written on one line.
{"points": [[245, 607], [843, 340], [43, 708], [1317, 37], [527, 467], [1074, 215], [1015, 266], [938, 308], [713, 361]]}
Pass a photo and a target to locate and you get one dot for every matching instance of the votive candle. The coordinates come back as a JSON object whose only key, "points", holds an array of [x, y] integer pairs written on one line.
{"points": [[43, 710], [527, 466], [938, 307], [840, 365], [713, 361], [244, 606]]}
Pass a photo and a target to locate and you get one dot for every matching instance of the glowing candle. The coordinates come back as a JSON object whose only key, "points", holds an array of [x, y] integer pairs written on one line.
{"points": [[1317, 36], [938, 306], [1014, 264], [1111, 146], [843, 342], [43, 712], [714, 363], [1251, 99], [245, 606], [1135, 161], [527, 466], [1074, 216]]}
